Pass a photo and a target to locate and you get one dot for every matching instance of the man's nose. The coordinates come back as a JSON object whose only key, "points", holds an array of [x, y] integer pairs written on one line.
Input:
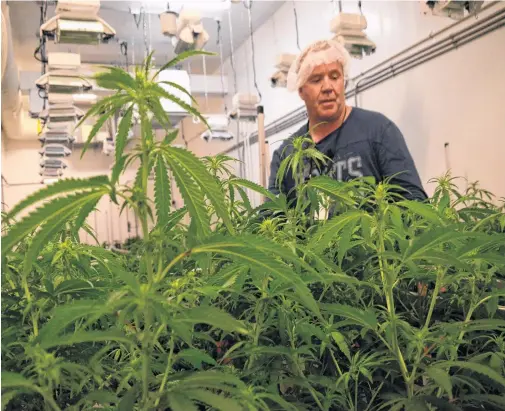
{"points": [[327, 84]]}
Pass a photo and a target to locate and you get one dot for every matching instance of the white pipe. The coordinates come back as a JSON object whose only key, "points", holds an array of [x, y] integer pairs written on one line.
{"points": [[11, 94]]}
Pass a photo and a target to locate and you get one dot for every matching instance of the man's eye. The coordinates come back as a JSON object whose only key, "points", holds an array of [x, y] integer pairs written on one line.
{"points": [[316, 79], [335, 76]]}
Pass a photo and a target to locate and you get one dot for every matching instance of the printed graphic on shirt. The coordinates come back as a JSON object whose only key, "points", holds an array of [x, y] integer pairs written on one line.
{"points": [[341, 170]]}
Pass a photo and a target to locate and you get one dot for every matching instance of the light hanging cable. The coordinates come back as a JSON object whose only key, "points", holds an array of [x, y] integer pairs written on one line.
{"points": [[232, 54], [340, 6], [296, 26], [252, 49], [144, 29], [205, 83], [359, 7], [220, 44]]}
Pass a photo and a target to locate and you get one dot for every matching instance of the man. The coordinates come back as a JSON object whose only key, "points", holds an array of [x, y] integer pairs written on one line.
{"points": [[358, 142]]}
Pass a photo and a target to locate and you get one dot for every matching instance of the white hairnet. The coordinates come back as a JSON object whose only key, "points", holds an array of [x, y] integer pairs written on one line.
{"points": [[320, 52]]}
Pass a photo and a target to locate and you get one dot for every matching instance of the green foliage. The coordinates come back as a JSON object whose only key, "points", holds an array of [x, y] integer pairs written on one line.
{"points": [[351, 299]]}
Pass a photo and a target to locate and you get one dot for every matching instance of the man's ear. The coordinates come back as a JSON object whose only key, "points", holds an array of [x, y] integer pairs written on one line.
{"points": [[300, 93]]}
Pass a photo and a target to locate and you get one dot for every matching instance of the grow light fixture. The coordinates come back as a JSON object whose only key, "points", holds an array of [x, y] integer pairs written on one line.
{"points": [[244, 107], [63, 82], [454, 9], [77, 22], [50, 172], [190, 33], [61, 113], [53, 163], [349, 31], [63, 61], [56, 137], [218, 128], [83, 7], [216, 135], [280, 77], [55, 150]]}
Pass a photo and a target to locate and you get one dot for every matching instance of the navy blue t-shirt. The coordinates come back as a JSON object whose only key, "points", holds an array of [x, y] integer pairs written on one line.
{"points": [[366, 144]]}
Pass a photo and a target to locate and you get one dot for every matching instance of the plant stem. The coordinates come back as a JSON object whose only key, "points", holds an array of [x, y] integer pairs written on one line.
{"points": [[146, 339], [167, 368], [433, 302], [388, 291]]}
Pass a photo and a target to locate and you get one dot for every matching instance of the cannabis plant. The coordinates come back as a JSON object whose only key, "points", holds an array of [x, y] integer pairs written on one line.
{"points": [[349, 298]]}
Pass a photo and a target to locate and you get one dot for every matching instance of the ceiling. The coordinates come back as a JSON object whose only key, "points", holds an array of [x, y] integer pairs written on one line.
{"points": [[25, 21]]}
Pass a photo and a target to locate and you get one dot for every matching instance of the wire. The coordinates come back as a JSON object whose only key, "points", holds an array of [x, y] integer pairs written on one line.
{"points": [[296, 26], [204, 64], [359, 7], [340, 6], [41, 49], [252, 49], [232, 54], [220, 44]]}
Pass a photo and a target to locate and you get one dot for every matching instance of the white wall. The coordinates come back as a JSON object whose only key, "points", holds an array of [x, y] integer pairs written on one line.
{"points": [[456, 98], [20, 168]]}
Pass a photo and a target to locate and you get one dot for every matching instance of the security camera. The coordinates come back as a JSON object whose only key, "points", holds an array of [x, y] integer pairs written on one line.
{"points": [[279, 79]]}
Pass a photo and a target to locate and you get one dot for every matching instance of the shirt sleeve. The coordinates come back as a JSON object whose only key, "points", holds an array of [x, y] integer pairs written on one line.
{"points": [[395, 161], [274, 168]]}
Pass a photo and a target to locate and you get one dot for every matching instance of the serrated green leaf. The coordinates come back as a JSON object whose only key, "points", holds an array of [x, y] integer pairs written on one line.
{"points": [[127, 402], [333, 188], [218, 402], [61, 213], [179, 402], [96, 128], [122, 135], [178, 87], [59, 187], [160, 114], [66, 314], [61, 206], [161, 93], [195, 357], [212, 316], [193, 199], [239, 182], [427, 211], [332, 227], [441, 378], [341, 343], [365, 318], [473, 366], [247, 250], [80, 337], [14, 380], [208, 184]]}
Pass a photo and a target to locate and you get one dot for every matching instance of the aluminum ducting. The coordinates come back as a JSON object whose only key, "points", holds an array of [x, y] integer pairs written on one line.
{"points": [[11, 93]]}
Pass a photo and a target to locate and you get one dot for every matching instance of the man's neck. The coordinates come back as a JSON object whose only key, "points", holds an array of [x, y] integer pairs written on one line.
{"points": [[319, 129]]}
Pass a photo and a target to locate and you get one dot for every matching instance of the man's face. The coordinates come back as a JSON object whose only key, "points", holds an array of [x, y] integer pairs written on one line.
{"points": [[324, 92]]}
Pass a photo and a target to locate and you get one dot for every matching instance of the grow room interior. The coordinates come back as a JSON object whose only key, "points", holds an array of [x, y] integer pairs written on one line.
{"points": [[436, 69]]}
